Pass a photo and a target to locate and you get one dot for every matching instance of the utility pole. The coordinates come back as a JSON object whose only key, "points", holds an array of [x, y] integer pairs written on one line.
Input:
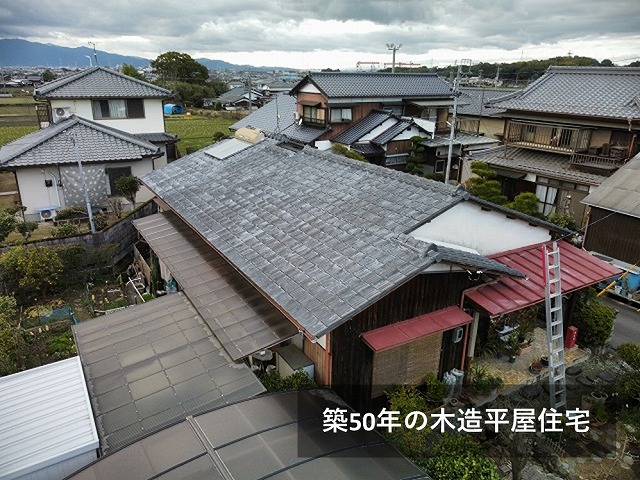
{"points": [[394, 48], [452, 133], [84, 183], [95, 55]]}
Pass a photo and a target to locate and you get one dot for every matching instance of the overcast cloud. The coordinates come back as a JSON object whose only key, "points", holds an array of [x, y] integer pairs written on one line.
{"points": [[337, 34]]}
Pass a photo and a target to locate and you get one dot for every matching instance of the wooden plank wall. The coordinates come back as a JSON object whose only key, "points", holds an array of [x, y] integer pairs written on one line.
{"points": [[352, 360], [614, 235]]}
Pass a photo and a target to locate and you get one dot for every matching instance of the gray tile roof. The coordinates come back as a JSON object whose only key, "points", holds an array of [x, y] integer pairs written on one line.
{"points": [[547, 164], [368, 149], [476, 99], [238, 315], [393, 131], [586, 91], [461, 138], [53, 145], [620, 192], [378, 85], [159, 137], [151, 365], [276, 118], [312, 230], [364, 126], [455, 256], [100, 82]]}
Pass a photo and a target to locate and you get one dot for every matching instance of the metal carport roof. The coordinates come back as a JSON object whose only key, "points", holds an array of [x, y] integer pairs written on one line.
{"points": [[578, 269], [277, 436]]}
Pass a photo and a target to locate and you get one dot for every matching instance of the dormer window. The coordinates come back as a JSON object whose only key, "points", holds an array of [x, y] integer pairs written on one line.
{"points": [[118, 108]]}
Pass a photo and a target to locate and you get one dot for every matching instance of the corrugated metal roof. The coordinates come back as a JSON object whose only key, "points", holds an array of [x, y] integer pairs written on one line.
{"points": [[578, 269], [100, 82], [239, 316], [45, 415], [96, 143], [548, 164], [620, 192], [276, 436], [610, 92], [409, 330], [151, 365]]}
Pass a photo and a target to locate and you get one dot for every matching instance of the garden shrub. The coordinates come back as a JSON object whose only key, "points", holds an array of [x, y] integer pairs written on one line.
{"points": [[71, 213], [406, 399], [30, 271], [593, 318], [298, 380], [459, 457], [434, 389], [8, 223], [128, 186], [630, 353], [102, 256], [340, 149], [66, 229], [72, 257], [563, 220], [26, 229]]}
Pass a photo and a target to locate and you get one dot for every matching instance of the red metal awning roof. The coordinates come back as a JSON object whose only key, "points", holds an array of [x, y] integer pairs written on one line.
{"points": [[408, 330], [578, 269]]}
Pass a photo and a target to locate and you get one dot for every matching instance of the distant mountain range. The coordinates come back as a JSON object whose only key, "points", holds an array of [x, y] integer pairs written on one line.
{"points": [[22, 53]]}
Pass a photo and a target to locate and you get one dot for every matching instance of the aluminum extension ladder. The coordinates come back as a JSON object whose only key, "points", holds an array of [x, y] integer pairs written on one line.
{"points": [[555, 330]]}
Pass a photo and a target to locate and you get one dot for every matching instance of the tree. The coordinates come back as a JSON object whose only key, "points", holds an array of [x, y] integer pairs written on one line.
{"points": [[483, 185], [179, 67], [26, 229], [8, 224], [131, 71], [29, 271], [128, 186], [11, 340], [192, 95], [526, 203], [48, 76], [415, 156]]}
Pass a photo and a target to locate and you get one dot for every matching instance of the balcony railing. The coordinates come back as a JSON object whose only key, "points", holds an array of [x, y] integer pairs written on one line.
{"points": [[554, 138], [596, 161]]}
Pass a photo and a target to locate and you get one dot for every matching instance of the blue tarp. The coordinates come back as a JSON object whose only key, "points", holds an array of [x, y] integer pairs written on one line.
{"points": [[171, 108]]}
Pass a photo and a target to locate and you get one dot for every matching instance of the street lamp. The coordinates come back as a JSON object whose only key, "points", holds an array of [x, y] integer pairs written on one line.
{"points": [[393, 47]]}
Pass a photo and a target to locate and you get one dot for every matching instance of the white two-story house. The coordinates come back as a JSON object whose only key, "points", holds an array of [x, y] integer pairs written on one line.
{"points": [[111, 123]]}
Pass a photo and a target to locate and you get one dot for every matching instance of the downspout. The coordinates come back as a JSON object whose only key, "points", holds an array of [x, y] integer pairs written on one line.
{"points": [[55, 184]]}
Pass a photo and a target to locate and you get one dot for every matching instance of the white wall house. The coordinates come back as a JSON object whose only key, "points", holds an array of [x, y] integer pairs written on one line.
{"points": [[49, 179], [118, 122]]}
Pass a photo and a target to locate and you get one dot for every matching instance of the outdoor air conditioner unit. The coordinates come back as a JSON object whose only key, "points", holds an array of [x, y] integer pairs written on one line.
{"points": [[297, 116], [61, 113], [47, 213]]}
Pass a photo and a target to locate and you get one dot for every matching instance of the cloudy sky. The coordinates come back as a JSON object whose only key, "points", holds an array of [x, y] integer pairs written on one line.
{"points": [[312, 34]]}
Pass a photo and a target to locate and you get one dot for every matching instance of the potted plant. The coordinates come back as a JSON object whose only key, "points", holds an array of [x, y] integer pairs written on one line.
{"points": [[525, 346], [483, 383], [536, 367], [599, 396], [599, 415], [513, 347]]}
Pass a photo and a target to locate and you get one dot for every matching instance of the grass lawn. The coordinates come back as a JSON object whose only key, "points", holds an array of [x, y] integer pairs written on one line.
{"points": [[196, 131], [13, 132]]}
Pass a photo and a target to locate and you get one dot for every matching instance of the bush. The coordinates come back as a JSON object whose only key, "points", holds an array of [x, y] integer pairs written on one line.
{"points": [[482, 382], [8, 223], [406, 399], [563, 220], [526, 203], [71, 213], [340, 149], [434, 389], [128, 186], [593, 318], [26, 229], [299, 380], [31, 271], [100, 222], [66, 229], [458, 457], [630, 353]]}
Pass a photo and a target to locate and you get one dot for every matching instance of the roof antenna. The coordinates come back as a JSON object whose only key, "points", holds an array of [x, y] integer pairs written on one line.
{"points": [[95, 55]]}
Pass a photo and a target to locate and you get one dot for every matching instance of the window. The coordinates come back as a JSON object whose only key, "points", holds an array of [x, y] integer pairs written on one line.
{"points": [[439, 167], [340, 115], [121, 108], [114, 174], [313, 115], [547, 198]]}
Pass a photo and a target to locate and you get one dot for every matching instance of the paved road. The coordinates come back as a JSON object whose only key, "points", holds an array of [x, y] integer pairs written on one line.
{"points": [[627, 326]]}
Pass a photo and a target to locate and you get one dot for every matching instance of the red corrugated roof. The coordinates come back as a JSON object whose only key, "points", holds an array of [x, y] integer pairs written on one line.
{"points": [[578, 269], [414, 328]]}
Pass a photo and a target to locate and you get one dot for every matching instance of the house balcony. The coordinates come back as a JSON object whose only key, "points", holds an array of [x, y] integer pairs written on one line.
{"points": [[601, 162], [551, 138]]}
